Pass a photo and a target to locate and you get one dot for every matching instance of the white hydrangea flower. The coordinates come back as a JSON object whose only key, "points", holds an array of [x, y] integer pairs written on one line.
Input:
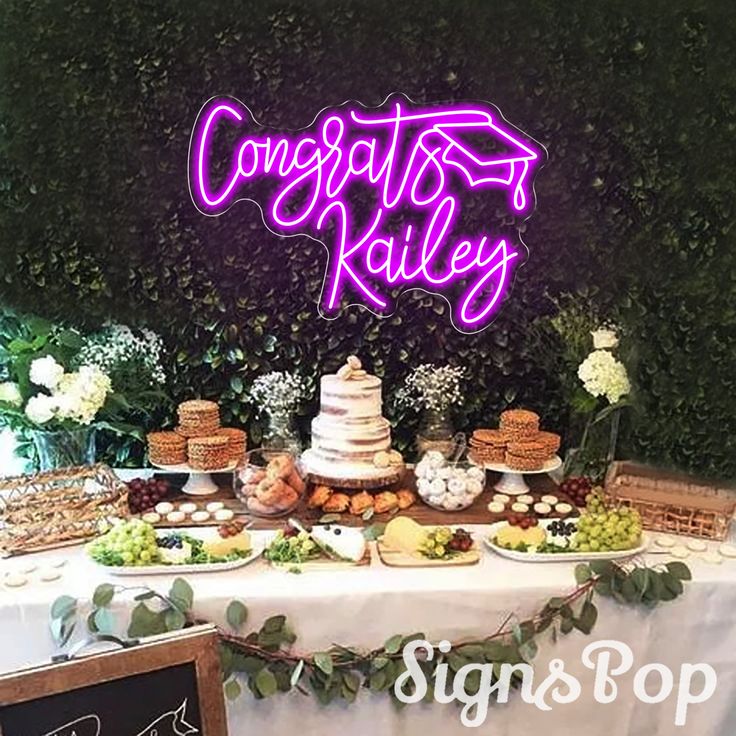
{"points": [[605, 338], [10, 393], [82, 394], [41, 408], [603, 375], [46, 372]]}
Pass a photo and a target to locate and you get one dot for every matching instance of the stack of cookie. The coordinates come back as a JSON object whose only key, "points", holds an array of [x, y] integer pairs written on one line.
{"points": [[198, 440], [518, 442], [166, 448], [198, 418], [208, 453], [237, 440]]}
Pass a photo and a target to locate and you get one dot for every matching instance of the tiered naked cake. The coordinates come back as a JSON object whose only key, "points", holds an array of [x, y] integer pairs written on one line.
{"points": [[351, 440]]}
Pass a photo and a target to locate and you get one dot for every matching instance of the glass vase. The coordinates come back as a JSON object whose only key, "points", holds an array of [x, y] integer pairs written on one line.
{"points": [[65, 447], [436, 432], [281, 433], [597, 448]]}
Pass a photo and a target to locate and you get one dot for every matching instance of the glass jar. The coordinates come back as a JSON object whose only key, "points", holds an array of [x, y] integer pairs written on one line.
{"points": [[270, 482], [436, 432], [65, 448], [281, 433]]}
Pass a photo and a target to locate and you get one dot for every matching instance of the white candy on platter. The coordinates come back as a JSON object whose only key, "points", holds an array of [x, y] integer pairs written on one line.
{"points": [[477, 474], [456, 487], [453, 503], [424, 487], [435, 459], [437, 486], [444, 473], [437, 500], [420, 469], [475, 487]]}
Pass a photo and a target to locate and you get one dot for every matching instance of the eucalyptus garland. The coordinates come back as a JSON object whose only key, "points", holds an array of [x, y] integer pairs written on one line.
{"points": [[264, 659]]}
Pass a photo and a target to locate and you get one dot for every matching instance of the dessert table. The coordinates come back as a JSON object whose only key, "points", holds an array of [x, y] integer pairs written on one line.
{"points": [[362, 606]]}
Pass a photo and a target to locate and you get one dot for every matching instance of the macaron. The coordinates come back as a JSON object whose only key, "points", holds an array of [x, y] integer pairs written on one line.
{"points": [[200, 516], [188, 507], [665, 542], [696, 545], [214, 506], [15, 580], [175, 517], [496, 507], [224, 515], [712, 558], [164, 507]]}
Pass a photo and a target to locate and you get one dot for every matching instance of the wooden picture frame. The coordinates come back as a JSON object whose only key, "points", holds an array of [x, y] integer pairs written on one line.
{"points": [[197, 646]]}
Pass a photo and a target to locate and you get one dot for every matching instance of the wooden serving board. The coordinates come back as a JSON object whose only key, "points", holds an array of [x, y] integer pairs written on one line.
{"points": [[325, 564], [394, 558]]}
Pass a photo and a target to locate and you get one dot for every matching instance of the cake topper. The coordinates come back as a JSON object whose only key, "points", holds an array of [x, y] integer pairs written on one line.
{"points": [[385, 190]]}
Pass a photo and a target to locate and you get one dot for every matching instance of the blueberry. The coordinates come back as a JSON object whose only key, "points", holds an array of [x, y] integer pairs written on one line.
{"points": [[338, 532]]}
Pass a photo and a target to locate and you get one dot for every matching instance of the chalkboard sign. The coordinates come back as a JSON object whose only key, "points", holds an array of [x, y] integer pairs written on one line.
{"points": [[169, 686]]}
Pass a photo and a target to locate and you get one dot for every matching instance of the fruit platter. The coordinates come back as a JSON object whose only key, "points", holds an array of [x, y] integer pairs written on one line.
{"points": [[296, 547], [134, 547], [598, 533], [405, 543]]}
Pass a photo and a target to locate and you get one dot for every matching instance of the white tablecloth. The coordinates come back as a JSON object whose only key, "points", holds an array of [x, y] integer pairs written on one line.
{"points": [[363, 606]]}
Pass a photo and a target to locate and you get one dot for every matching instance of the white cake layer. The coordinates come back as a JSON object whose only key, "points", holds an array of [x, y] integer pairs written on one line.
{"points": [[352, 399], [369, 437], [329, 468]]}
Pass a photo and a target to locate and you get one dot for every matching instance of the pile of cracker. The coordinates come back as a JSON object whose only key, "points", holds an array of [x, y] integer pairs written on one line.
{"points": [[198, 440], [518, 442]]}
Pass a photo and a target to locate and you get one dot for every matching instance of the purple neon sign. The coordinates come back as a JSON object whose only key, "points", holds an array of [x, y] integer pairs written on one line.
{"points": [[355, 172]]}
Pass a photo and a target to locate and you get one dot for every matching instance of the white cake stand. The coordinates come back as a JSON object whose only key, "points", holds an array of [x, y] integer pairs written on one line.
{"points": [[512, 481], [200, 482]]}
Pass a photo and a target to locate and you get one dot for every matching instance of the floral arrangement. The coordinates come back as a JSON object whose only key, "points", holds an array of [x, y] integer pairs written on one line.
{"points": [[601, 373], [432, 387], [74, 397], [278, 392], [117, 348]]}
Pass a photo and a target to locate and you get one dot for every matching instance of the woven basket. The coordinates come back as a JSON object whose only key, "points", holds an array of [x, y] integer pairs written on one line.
{"points": [[59, 507], [672, 502]]}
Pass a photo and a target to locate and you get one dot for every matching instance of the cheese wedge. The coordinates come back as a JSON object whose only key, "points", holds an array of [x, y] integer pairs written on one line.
{"points": [[404, 535]]}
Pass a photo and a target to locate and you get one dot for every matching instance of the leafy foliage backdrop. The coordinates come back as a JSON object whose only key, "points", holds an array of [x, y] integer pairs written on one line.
{"points": [[635, 103]]}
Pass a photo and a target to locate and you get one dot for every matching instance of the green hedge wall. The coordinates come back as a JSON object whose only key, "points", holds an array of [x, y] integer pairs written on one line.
{"points": [[635, 103]]}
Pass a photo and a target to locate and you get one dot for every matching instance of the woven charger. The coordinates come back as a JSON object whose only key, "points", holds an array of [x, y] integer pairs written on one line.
{"points": [[60, 507]]}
